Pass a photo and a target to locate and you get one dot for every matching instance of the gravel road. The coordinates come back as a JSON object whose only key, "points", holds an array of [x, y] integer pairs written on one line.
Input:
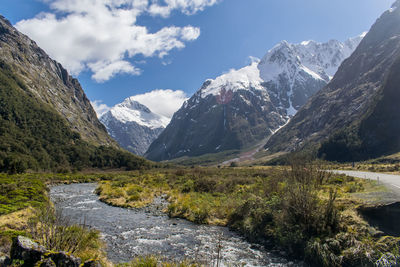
{"points": [[392, 182], [388, 179]]}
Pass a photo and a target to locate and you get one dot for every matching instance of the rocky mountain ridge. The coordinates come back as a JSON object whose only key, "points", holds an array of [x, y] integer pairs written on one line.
{"points": [[347, 103], [242, 107]]}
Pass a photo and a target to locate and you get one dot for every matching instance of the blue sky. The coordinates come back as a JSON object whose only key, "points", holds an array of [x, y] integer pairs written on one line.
{"points": [[230, 32]]}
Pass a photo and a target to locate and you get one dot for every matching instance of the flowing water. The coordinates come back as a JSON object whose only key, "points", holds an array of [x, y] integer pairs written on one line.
{"points": [[132, 232]]}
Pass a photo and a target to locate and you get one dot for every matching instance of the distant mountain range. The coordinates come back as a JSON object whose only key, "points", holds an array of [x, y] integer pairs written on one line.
{"points": [[357, 115], [241, 108], [133, 125], [338, 99]]}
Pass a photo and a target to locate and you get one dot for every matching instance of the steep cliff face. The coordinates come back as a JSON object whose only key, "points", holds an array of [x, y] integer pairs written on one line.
{"points": [[239, 109], [51, 83], [377, 133], [355, 95]]}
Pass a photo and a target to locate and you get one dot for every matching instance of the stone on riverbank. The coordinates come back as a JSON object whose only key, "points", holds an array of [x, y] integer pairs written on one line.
{"points": [[5, 261], [62, 259], [33, 254], [25, 249]]}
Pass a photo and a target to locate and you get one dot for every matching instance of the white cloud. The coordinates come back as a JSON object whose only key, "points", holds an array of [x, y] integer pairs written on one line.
{"points": [[103, 71], [190, 33], [102, 35], [162, 102], [188, 7], [99, 107]]}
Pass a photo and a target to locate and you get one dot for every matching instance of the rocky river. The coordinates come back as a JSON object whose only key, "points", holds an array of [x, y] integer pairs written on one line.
{"points": [[136, 232]]}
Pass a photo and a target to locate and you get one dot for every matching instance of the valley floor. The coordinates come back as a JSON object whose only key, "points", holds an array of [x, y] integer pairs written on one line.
{"points": [[310, 214]]}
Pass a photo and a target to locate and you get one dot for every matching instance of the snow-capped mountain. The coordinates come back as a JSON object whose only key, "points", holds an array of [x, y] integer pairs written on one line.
{"points": [[133, 125], [242, 107], [357, 115], [290, 73]]}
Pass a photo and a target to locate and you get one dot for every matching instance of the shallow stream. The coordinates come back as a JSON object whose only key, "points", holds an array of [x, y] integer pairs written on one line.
{"points": [[136, 232]]}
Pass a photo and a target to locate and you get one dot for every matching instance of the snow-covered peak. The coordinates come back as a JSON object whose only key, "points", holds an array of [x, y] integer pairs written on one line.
{"points": [[319, 60], [132, 104], [246, 77], [282, 59], [132, 111], [286, 67], [322, 59]]}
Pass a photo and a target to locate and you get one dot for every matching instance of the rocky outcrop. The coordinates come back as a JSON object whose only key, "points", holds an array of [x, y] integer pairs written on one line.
{"points": [[5, 261], [63, 259], [32, 254], [26, 250]]}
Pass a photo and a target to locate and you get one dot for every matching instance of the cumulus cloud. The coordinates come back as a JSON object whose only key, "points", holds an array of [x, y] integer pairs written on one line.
{"points": [[189, 7], [100, 107], [104, 70], [103, 35], [162, 102]]}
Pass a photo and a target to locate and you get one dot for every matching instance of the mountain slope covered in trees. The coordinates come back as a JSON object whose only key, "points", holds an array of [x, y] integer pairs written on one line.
{"points": [[35, 134]]}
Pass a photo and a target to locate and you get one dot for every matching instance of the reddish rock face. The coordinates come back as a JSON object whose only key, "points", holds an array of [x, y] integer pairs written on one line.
{"points": [[224, 97]]}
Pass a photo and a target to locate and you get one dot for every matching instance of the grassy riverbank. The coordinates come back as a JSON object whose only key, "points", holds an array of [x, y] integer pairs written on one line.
{"points": [[308, 213], [304, 211]]}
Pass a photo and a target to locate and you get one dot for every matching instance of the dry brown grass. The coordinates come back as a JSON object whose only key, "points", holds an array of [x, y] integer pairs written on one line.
{"points": [[16, 221]]}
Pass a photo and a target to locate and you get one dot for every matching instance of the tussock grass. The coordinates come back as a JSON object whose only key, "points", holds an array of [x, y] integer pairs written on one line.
{"points": [[301, 209], [49, 229]]}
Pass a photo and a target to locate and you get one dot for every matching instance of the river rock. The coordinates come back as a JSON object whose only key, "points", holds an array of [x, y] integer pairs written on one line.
{"points": [[5, 261], [25, 249], [63, 259]]}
